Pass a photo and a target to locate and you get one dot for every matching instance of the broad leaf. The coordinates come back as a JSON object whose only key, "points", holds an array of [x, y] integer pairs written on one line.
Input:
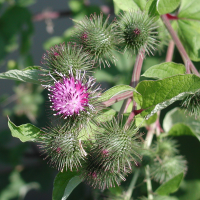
{"points": [[141, 4], [151, 8], [189, 34], [156, 95], [25, 132], [116, 90], [165, 70], [64, 184], [171, 185], [29, 74], [177, 123], [126, 5], [167, 6], [189, 9]]}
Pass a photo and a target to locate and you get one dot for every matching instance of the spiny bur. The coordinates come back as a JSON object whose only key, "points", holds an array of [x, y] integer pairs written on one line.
{"points": [[97, 37], [62, 148], [136, 31]]}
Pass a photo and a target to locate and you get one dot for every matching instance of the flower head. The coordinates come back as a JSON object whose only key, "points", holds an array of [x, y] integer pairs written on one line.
{"points": [[73, 96], [116, 146], [136, 31], [97, 37], [93, 171], [62, 58], [61, 146]]}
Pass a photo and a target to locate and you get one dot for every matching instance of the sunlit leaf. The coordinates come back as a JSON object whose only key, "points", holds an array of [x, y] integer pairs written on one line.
{"points": [[167, 6], [25, 132], [29, 74], [156, 95], [165, 70]]}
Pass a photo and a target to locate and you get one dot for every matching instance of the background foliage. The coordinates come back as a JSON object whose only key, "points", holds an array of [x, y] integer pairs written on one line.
{"points": [[23, 173]]}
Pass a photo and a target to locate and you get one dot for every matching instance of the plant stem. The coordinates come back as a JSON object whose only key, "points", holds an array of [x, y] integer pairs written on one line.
{"points": [[147, 144], [148, 181], [170, 51], [188, 63], [119, 97], [132, 185], [134, 81]]}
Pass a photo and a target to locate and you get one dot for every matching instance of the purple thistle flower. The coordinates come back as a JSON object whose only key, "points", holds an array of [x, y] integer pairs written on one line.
{"points": [[71, 95]]}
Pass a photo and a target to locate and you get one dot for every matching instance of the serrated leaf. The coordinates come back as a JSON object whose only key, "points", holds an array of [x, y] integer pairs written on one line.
{"points": [[177, 123], [189, 9], [126, 5], [170, 186], [165, 70], [189, 34], [64, 184], [156, 95], [167, 6], [25, 132], [29, 74], [116, 90]]}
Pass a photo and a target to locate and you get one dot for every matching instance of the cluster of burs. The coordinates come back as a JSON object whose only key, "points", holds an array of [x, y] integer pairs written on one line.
{"points": [[78, 138]]}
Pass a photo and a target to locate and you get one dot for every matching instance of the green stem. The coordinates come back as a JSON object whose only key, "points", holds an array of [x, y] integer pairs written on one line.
{"points": [[147, 144], [148, 181], [132, 185]]}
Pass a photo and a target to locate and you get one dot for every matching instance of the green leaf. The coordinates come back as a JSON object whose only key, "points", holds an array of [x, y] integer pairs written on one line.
{"points": [[189, 9], [25, 132], [170, 186], [189, 34], [151, 8], [165, 70], [116, 90], [126, 5], [29, 74], [177, 123], [167, 6], [141, 4], [156, 95], [64, 184]]}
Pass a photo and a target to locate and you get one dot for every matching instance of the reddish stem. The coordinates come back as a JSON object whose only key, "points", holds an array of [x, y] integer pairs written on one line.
{"points": [[184, 55], [117, 98], [170, 51], [134, 81]]}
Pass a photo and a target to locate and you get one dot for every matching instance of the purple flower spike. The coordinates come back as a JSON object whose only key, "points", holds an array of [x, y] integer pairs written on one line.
{"points": [[69, 95]]}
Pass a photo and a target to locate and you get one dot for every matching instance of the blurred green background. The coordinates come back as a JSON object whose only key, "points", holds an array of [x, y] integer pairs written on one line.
{"points": [[27, 29]]}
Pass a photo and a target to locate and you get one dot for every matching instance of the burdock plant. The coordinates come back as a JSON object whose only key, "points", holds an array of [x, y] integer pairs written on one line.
{"points": [[86, 140]]}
